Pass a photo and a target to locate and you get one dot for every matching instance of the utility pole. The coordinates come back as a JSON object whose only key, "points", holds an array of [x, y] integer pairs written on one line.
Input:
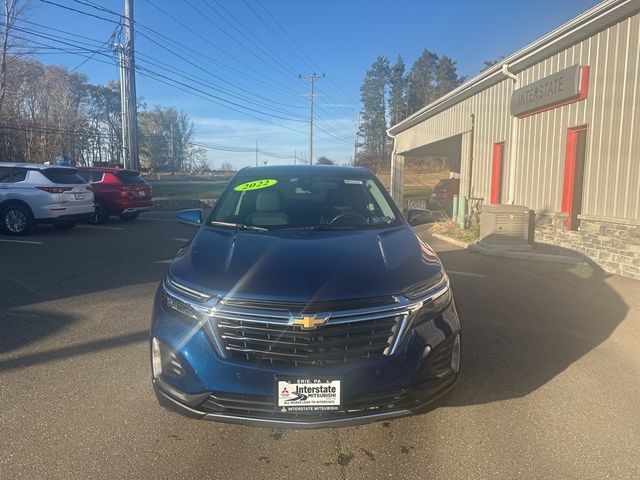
{"points": [[131, 98], [355, 141], [123, 106], [256, 153], [312, 78], [295, 155], [173, 151]]}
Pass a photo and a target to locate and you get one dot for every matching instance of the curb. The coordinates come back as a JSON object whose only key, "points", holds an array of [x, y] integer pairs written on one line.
{"points": [[453, 241], [542, 257]]}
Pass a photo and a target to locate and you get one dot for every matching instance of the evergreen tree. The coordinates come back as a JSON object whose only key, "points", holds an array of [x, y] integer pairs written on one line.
{"points": [[397, 92], [422, 80], [374, 119], [490, 63], [446, 76]]}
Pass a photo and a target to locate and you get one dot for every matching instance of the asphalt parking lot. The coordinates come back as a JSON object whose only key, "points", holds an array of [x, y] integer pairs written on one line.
{"points": [[550, 385]]}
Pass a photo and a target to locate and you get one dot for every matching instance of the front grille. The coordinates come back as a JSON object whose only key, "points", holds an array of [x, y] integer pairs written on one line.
{"points": [[312, 307], [282, 344], [259, 406]]}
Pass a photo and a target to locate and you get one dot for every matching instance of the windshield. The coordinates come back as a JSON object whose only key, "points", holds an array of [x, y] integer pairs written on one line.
{"points": [[305, 202]]}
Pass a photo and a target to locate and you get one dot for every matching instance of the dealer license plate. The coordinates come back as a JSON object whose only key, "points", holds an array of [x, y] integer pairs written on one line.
{"points": [[79, 196], [301, 395]]}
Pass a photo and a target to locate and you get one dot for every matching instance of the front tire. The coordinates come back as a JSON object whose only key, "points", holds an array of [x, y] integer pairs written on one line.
{"points": [[127, 217], [16, 220]]}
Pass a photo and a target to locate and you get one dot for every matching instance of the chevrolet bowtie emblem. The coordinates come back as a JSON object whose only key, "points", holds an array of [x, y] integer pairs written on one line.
{"points": [[309, 322]]}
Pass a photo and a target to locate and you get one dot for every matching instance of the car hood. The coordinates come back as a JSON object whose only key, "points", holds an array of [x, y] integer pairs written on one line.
{"points": [[305, 266]]}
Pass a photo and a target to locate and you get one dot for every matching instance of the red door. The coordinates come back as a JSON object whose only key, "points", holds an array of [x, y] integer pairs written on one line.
{"points": [[496, 172], [573, 175]]}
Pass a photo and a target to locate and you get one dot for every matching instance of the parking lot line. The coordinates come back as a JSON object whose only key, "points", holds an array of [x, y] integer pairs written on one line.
{"points": [[466, 274], [100, 228], [20, 241]]}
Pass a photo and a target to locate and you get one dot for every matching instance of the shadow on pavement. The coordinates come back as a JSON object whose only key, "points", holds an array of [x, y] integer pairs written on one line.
{"points": [[86, 260], [524, 322], [21, 329]]}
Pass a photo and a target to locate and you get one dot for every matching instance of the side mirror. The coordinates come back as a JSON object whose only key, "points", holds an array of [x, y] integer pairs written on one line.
{"points": [[191, 217], [419, 216]]}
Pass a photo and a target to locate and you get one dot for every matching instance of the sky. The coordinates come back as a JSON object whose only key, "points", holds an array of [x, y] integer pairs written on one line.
{"points": [[233, 65]]}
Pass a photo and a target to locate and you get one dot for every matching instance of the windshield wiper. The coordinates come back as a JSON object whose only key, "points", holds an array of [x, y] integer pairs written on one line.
{"points": [[322, 227], [239, 226]]}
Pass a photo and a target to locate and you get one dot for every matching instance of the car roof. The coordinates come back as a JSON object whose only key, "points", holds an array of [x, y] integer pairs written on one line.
{"points": [[304, 169], [32, 166]]}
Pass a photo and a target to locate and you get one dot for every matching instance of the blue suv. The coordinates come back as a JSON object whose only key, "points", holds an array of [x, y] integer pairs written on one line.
{"points": [[304, 300]]}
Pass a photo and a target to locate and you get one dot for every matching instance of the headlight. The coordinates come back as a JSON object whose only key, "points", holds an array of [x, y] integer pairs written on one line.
{"points": [[185, 302], [424, 289], [431, 300], [182, 309]]}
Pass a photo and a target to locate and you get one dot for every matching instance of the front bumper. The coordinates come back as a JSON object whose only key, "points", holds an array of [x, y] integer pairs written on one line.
{"points": [[412, 379], [172, 404]]}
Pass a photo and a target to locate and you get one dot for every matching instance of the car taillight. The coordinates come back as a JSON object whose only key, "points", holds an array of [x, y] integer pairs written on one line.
{"points": [[89, 187], [55, 189]]}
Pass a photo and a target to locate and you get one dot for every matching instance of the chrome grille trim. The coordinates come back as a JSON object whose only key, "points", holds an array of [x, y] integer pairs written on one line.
{"points": [[210, 308]]}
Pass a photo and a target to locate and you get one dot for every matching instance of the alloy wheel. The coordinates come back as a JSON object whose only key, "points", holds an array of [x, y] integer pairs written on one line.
{"points": [[15, 221]]}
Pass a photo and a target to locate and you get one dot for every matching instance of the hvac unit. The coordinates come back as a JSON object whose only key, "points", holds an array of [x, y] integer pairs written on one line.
{"points": [[508, 227]]}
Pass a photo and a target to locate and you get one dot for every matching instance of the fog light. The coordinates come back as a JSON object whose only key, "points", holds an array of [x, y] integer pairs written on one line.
{"points": [[164, 362], [156, 358], [455, 354]]}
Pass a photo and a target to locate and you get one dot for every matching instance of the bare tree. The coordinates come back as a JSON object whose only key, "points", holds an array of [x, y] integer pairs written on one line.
{"points": [[227, 167], [11, 10]]}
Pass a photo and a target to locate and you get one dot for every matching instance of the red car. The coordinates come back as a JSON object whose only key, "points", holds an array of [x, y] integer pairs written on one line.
{"points": [[117, 192]]}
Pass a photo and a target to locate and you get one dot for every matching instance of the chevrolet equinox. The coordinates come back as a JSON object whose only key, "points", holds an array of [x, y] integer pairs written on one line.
{"points": [[305, 299]]}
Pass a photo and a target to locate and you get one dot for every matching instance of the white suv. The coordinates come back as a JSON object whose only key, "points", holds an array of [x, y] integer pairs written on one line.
{"points": [[31, 194]]}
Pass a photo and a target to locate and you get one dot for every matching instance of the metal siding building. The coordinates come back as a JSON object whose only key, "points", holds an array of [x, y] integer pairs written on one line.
{"points": [[604, 41]]}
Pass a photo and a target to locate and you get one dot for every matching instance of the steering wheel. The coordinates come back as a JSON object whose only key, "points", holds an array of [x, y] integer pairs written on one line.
{"points": [[341, 216]]}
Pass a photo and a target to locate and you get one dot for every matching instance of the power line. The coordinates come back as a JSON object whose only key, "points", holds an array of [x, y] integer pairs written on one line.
{"points": [[39, 25], [275, 66], [109, 40], [266, 48], [202, 82], [312, 64], [199, 56], [66, 50], [79, 11], [216, 97], [166, 13], [92, 53], [97, 7], [195, 65], [152, 72], [209, 42]]}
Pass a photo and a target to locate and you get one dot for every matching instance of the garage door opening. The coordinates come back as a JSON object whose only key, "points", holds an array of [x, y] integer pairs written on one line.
{"points": [[432, 169]]}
